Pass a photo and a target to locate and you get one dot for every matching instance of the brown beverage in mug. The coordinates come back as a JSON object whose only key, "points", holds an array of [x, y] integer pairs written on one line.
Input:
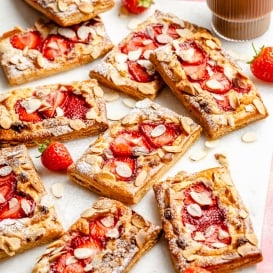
{"points": [[240, 19]]}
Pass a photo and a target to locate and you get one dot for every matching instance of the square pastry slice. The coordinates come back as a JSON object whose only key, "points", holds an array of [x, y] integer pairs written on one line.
{"points": [[61, 112], [134, 152], [47, 48], [205, 222], [27, 219], [67, 13], [209, 84], [108, 237], [127, 67]]}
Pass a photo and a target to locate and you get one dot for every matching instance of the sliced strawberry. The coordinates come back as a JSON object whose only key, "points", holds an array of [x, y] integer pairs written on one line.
{"points": [[17, 211], [56, 46], [196, 72], [160, 133], [139, 72], [217, 82], [24, 116], [129, 143], [84, 241], [224, 103], [191, 54], [54, 99], [7, 186], [30, 39], [61, 266], [172, 31], [124, 168], [75, 107]]}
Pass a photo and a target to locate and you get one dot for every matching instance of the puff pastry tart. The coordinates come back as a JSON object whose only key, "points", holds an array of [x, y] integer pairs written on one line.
{"points": [[52, 112], [127, 67], [108, 237], [209, 84], [67, 13], [46, 49], [134, 152], [26, 218], [205, 222]]}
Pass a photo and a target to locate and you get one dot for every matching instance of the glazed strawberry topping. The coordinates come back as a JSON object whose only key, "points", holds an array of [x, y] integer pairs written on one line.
{"points": [[128, 143], [68, 103], [160, 134], [92, 243], [124, 168], [30, 40], [201, 210], [138, 72], [56, 46], [13, 204], [199, 68]]}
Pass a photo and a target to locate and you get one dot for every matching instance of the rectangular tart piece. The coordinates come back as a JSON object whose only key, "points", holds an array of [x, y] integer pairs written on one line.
{"points": [[205, 222], [47, 48], [27, 220], [209, 84], [108, 237], [61, 112], [67, 13], [134, 152], [127, 68]]}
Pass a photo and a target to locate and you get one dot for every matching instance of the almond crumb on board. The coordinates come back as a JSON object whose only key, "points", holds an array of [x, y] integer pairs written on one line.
{"points": [[222, 159]]}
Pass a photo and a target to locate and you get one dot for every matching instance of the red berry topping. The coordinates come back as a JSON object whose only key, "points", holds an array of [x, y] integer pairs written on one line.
{"points": [[160, 134], [56, 46], [136, 6], [195, 269], [138, 72], [31, 40], [32, 117]]}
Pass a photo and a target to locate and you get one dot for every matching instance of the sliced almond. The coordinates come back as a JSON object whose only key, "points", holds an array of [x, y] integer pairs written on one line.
{"points": [[243, 213], [129, 102], [108, 221], [123, 170], [2, 199], [198, 155], [86, 7], [67, 32], [13, 202], [159, 130], [259, 105], [194, 210], [111, 96], [134, 55], [31, 105], [84, 253], [249, 137], [57, 190], [138, 221], [6, 170], [164, 38], [202, 198], [26, 206], [140, 179]]}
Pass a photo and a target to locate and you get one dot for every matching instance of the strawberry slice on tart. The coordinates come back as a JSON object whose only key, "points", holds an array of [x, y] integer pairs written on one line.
{"points": [[30, 40]]}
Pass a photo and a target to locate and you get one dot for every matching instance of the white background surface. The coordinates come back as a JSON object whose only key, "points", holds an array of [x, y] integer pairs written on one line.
{"points": [[249, 163]]}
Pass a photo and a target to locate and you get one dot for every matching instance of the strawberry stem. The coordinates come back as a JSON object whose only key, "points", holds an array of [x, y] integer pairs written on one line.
{"points": [[42, 147]]}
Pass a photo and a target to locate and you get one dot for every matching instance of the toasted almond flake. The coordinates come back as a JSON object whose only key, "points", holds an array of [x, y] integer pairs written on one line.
{"points": [[41, 61], [249, 108], [129, 102], [259, 105], [202, 198], [214, 84], [249, 137], [184, 32], [25, 206], [199, 236], [57, 190], [164, 38], [159, 130], [88, 267], [140, 179], [141, 238], [108, 221], [252, 238], [133, 23], [67, 32], [138, 221], [85, 7], [13, 203], [2, 198], [222, 234], [218, 245], [84, 252], [111, 96], [103, 204], [121, 58], [245, 249], [59, 112], [209, 231], [243, 213], [107, 177], [13, 243], [62, 5], [211, 144], [98, 92], [84, 31], [31, 105], [123, 170], [172, 149], [194, 210], [112, 233], [198, 154], [135, 54], [88, 213], [6, 170], [222, 159], [77, 124], [71, 260], [112, 114]]}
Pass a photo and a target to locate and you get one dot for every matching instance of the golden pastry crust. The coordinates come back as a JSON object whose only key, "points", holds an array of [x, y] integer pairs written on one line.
{"points": [[125, 236], [52, 49], [52, 121], [67, 13], [209, 84], [127, 67], [205, 222], [38, 223], [134, 152]]}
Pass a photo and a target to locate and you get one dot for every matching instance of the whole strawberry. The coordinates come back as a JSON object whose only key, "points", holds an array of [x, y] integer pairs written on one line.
{"points": [[55, 156], [262, 64], [136, 6]]}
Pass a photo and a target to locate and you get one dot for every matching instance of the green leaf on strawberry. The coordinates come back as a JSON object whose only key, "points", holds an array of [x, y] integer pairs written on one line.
{"points": [[136, 6]]}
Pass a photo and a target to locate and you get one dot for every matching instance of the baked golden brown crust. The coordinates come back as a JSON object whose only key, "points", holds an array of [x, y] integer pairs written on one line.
{"points": [[27, 219], [61, 112], [67, 13], [209, 84], [205, 222], [127, 67], [134, 152], [51, 49], [110, 236]]}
